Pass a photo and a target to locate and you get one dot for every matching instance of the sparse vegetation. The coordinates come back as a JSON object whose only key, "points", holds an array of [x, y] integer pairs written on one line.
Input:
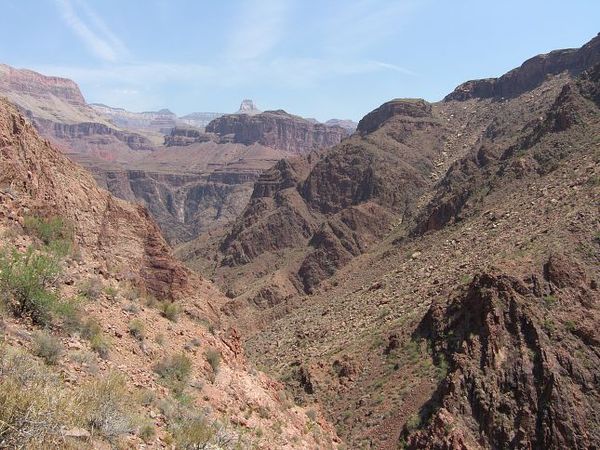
{"points": [[174, 371], [214, 359], [92, 331], [107, 406], [26, 280], [137, 329], [169, 310], [91, 288], [111, 293], [54, 232], [47, 347]]}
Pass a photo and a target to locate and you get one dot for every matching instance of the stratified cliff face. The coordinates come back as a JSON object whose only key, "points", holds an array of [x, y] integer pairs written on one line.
{"points": [[158, 121], [531, 74], [184, 205], [40, 87], [58, 110], [310, 216], [277, 129], [180, 136]]}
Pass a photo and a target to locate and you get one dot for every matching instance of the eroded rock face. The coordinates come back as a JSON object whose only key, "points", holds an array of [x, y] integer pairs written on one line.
{"points": [[531, 73], [59, 112], [111, 230], [180, 136], [277, 129], [39, 86], [514, 380], [327, 208], [507, 152], [184, 205], [400, 107]]}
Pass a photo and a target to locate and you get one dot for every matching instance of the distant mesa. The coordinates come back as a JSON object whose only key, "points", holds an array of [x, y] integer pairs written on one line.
{"points": [[248, 107], [347, 124]]}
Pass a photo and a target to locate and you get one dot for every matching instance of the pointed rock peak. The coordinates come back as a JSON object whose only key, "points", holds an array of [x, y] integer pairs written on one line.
{"points": [[248, 107]]}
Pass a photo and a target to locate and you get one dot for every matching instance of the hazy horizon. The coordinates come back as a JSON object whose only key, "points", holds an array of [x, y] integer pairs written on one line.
{"points": [[334, 60]]}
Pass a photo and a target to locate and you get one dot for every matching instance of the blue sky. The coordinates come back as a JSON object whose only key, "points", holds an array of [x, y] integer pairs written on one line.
{"points": [[318, 59]]}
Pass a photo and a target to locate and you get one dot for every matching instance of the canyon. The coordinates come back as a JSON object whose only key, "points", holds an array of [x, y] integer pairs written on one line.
{"points": [[426, 278]]}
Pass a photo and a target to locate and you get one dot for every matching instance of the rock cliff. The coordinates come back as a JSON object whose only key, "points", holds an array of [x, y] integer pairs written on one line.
{"points": [[276, 129]]}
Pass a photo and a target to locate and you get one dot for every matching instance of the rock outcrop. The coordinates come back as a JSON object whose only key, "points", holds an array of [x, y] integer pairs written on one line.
{"points": [[161, 121], [248, 107], [514, 380], [276, 129], [199, 119], [531, 74]]}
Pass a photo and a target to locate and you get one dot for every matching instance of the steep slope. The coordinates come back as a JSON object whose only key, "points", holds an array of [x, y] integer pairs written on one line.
{"points": [[310, 216], [127, 327], [508, 233]]}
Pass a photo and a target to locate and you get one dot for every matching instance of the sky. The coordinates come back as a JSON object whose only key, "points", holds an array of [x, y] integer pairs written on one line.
{"points": [[323, 59]]}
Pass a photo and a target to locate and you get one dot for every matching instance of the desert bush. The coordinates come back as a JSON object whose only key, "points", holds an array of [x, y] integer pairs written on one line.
{"points": [[35, 406], [147, 432], [169, 310], [111, 293], [26, 280], [214, 359], [91, 288], [47, 347], [192, 432], [107, 407], [174, 371], [136, 329], [92, 331], [54, 232]]}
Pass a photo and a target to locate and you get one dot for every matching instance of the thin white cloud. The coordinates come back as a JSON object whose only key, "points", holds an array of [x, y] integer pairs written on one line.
{"points": [[257, 28], [93, 32], [281, 72], [362, 24]]}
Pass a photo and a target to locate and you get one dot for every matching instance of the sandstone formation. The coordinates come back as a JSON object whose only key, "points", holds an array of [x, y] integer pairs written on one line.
{"points": [[276, 129], [248, 107], [58, 110], [131, 398]]}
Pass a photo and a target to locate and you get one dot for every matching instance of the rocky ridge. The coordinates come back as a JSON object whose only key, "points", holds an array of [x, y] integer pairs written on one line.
{"points": [[511, 189]]}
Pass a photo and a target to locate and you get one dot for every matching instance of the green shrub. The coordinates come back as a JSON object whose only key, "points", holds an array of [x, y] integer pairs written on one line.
{"points": [[54, 232], [47, 347], [175, 371], [214, 359], [193, 432], [111, 293], [169, 310], [69, 313], [413, 422], [136, 329], [92, 331], [147, 432], [25, 281]]}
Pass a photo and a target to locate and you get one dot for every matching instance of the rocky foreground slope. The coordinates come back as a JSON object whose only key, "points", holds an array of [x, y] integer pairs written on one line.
{"points": [[107, 341], [452, 254]]}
